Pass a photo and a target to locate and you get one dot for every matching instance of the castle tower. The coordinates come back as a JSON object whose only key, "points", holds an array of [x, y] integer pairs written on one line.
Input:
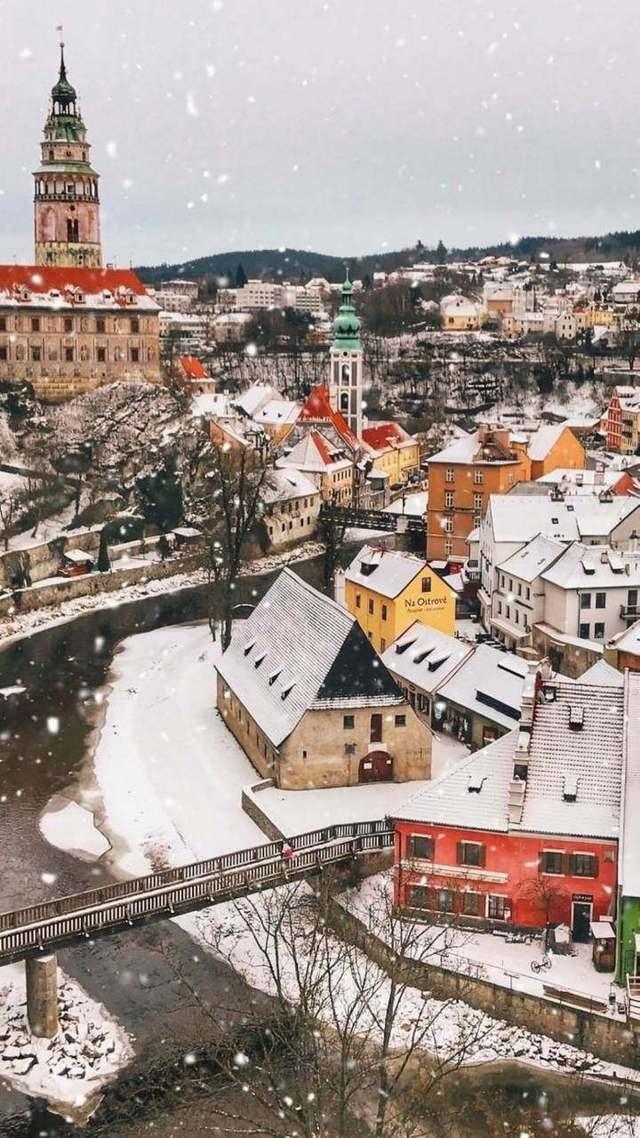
{"points": [[66, 202], [345, 387]]}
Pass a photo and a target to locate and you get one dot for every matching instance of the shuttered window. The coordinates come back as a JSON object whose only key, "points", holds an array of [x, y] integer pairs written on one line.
{"points": [[471, 853], [583, 865], [420, 845]]}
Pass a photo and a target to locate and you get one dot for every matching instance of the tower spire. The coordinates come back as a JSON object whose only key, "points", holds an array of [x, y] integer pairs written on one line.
{"points": [[63, 70]]}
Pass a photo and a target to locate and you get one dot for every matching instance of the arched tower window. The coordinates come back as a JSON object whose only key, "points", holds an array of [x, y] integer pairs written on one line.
{"points": [[72, 229]]}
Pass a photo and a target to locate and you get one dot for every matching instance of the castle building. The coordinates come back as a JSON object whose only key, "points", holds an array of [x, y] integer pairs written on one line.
{"points": [[66, 199], [345, 388], [67, 324]]}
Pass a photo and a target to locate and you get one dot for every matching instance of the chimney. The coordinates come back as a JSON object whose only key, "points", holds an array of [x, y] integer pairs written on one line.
{"points": [[598, 478]]}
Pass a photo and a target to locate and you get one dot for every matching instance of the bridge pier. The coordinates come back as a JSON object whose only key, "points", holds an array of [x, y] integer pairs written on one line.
{"points": [[42, 994]]}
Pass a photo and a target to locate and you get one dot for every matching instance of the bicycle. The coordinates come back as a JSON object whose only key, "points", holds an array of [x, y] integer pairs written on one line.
{"points": [[541, 965]]}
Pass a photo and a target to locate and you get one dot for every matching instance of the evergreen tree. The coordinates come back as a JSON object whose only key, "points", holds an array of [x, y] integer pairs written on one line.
{"points": [[441, 253], [104, 564], [241, 276]]}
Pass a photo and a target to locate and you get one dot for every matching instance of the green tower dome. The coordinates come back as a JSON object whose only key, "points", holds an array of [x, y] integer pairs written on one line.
{"points": [[63, 92], [346, 326]]}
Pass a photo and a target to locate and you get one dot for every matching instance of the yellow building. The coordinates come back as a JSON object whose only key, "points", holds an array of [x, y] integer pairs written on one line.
{"points": [[396, 453], [387, 591]]}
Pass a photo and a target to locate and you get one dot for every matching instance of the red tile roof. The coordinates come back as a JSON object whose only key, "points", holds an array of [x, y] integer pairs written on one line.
{"points": [[192, 367], [317, 408], [43, 278], [383, 435]]}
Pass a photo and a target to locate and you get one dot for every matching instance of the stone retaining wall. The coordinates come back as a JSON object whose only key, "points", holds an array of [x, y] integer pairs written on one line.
{"points": [[256, 813], [602, 1035]]}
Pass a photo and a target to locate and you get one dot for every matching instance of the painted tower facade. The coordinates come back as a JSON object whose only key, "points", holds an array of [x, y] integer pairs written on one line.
{"points": [[345, 387], [66, 200]]}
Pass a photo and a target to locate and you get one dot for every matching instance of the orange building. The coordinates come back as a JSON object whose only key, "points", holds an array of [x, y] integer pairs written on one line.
{"points": [[491, 461]]}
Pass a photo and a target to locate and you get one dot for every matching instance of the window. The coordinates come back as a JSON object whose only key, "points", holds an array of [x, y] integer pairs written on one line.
{"points": [[477, 501], [349, 748], [447, 525], [135, 355], [68, 324], [134, 324], [348, 722], [585, 600], [583, 631], [478, 477], [101, 325], [528, 593], [3, 353], [357, 600], [470, 853], [449, 499], [421, 846], [426, 584], [36, 354], [448, 548], [3, 323], [552, 861], [584, 865], [444, 900], [383, 644], [35, 323], [68, 355], [101, 355], [384, 612], [496, 907], [601, 600], [401, 721], [420, 897], [370, 607], [471, 904], [598, 630], [449, 474], [376, 728]]}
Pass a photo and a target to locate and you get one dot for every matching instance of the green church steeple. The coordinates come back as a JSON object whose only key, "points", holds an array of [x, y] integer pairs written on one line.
{"points": [[346, 326]]}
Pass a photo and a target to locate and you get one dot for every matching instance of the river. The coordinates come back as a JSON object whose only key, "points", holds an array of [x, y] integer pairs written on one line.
{"points": [[44, 733]]}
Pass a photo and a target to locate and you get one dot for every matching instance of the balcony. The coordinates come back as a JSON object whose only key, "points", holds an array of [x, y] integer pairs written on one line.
{"points": [[629, 612]]}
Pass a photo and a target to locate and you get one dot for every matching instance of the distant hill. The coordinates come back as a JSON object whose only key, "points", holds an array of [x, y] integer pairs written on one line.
{"points": [[301, 264]]}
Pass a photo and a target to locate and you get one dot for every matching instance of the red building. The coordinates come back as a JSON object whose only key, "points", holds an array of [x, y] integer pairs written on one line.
{"points": [[524, 832]]}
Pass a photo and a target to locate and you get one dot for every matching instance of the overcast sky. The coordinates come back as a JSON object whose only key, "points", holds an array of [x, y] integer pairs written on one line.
{"points": [[345, 127]]}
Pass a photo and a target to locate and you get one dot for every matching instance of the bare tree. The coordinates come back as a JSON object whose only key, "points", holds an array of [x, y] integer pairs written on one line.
{"points": [[332, 529], [234, 479], [350, 1048], [11, 507], [546, 895]]}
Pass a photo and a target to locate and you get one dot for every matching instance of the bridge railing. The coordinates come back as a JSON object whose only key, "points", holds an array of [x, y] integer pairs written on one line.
{"points": [[122, 890]]}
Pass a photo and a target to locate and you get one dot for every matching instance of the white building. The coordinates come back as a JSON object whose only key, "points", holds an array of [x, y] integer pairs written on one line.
{"points": [[291, 503]]}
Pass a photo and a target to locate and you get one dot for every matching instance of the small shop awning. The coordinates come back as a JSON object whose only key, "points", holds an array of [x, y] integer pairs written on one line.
{"points": [[602, 930]]}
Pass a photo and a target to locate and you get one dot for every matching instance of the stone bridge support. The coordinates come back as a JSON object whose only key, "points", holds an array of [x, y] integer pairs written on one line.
{"points": [[42, 994]]}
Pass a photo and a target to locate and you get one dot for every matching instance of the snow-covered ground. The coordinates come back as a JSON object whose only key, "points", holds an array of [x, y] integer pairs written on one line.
{"points": [[87, 1051], [611, 1126], [415, 504], [70, 826], [490, 956], [169, 771]]}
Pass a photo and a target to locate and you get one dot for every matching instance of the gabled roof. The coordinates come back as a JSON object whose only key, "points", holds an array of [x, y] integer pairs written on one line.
{"points": [[251, 400], [542, 441], [282, 484], [316, 453], [567, 519], [534, 557], [602, 674], [488, 683], [299, 651], [594, 567], [424, 656], [317, 409], [43, 278], [628, 640], [386, 571], [380, 436], [278, 411]]}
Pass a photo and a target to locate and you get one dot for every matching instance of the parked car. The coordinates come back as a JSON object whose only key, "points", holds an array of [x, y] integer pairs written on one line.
{"points": [[75, 563]]}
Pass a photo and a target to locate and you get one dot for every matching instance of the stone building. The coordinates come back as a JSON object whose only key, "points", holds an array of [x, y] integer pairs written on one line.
{"points": [[309, 701], [67, 324]]}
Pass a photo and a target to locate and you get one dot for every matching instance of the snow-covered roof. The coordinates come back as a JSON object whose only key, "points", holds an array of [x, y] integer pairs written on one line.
{"points": [[385, 571], [630, 839], [280, 485], [278, 411], [567, 520], [592, 479], [488, 682], [448, 800], [424, 656], [314, 452], [300, 650], [210, 403], [594, 566], [602, 674], [628, 640], [541, 442], [534, 557], [254, 398], [588, 756]]}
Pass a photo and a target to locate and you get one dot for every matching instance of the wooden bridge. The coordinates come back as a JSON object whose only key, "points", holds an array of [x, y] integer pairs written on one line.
{"points": [[44, 928], [361, 518]]}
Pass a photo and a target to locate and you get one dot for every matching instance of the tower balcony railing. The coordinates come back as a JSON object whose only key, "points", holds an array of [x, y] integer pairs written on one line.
{"points": [[629, 612]]}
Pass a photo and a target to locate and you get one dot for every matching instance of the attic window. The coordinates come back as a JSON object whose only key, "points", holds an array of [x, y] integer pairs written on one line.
{"points": [[576, 718], [400, 648], [569, 787], [555, 521], [437, 662], [248, 647], [587, 565], [367, 568], [273, 677], [476, 782], [258, 660], [420, 657], [287, 691], [570, 509]]}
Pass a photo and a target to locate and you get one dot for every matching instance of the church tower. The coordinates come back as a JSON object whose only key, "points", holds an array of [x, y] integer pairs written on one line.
{"points": [[345, 388], [66, 202]]}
